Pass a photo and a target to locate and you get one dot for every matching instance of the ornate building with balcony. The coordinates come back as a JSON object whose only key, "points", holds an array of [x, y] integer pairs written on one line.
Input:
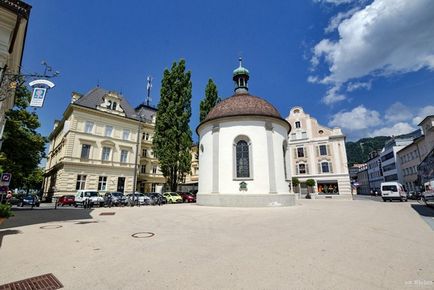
{"points": [[317, 152], [94, 146]]}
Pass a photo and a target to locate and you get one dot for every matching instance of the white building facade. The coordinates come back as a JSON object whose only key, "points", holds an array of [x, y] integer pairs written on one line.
{"points": [[242, 151], [318, 153], [389, 163]]}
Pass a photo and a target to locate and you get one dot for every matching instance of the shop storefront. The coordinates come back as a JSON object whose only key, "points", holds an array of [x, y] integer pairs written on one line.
{"points": [[328, 187]]}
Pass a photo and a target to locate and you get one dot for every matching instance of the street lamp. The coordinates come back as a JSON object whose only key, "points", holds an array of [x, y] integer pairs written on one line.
{"points": [[140, 119]]}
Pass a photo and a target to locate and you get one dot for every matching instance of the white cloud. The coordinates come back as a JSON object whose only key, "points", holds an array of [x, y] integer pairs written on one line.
{"points": [[358, 85], [336, 20], [333, 96], [358, 118], [395, 130], [398, 113], [385, 37], [423, 112]]}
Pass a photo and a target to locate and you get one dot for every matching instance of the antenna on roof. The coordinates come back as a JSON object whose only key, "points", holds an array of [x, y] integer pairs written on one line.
{"points": [[148, 89], [97, 83]]}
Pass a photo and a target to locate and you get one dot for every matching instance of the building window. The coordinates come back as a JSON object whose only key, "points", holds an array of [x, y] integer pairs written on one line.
{"points": [[301, 168], [145, 136], [242, 159], [154, 169], [303, 135], [322, 150], [124, 156], [102, 183], [326, 167], [126, 134], [85, 151], [143, 168], [105, 153], [88, 127], [81, 182], [153, 187], [293, 136], [108, 131], [144, 152], [300, 152], [297, 124]]}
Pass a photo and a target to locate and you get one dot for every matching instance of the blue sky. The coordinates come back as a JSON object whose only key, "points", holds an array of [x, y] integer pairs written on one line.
{"points": [[364, 66]]}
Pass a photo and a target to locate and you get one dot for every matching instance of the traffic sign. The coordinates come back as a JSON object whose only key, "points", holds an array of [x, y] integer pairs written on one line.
{"points": [[6, 179]]}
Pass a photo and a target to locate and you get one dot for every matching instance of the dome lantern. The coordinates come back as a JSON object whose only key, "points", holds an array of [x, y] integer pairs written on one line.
{"points": [[241, 78]]}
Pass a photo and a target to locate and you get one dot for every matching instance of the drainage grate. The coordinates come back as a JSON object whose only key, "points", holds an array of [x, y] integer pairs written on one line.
{"points": [[44, 282], [142, 235], [50, 227], [107, 213]]}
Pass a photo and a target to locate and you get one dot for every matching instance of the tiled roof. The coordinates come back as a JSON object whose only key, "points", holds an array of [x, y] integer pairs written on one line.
{"points": [[242, 104], [94, 98]]}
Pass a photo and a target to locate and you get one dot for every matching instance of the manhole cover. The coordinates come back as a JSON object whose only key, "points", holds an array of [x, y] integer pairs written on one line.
{"points": [[143, 235], [45, 282], [50, 227], [107, 213]]}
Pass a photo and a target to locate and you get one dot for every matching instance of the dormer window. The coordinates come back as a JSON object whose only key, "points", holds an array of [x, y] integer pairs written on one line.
{"points": [[112, 105], [297, 124]]}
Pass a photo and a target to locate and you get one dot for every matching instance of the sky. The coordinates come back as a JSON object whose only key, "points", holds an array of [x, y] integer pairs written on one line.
{"points": [[364, 66]]}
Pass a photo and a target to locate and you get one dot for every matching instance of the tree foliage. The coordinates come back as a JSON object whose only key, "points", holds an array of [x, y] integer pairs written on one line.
{"points": [[211, 99], [172, 140], [23, 147]]}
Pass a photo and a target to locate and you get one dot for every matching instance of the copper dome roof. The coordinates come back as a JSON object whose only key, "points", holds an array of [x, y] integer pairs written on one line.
{"points": [[242, 105]]}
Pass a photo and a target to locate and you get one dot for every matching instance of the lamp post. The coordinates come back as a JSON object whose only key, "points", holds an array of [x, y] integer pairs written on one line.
{"points": [[140, 119]]}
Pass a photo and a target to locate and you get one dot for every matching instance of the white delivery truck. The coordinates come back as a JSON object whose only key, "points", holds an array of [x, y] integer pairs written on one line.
{"points": [[393, 190], [428, 194]]}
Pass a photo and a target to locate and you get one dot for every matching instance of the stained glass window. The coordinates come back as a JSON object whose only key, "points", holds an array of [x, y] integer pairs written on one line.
{"points": [[242, 155]]}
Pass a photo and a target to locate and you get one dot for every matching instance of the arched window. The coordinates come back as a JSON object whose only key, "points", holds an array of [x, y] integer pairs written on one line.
{"points": [[285, 148], [242, 159]]}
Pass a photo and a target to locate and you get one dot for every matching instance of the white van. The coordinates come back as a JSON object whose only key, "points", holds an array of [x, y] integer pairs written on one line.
{"points": [[393, 190], [91, 195]]}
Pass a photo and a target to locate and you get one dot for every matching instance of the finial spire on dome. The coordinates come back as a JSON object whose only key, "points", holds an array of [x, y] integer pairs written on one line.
{"points": [[241, 77]]}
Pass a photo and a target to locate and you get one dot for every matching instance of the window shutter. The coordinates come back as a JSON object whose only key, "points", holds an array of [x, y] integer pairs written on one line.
{"points": [[330, 167], [317, 151], [296, 169], [305, 152], [295, 153], [328, 150], [307, 169], [319, 167]]}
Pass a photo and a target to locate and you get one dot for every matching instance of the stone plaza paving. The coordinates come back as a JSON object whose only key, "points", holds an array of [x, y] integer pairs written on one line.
{"points": [[317, 244]]}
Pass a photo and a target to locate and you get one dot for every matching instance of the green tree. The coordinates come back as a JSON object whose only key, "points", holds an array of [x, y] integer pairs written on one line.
{"points": [[295, 184], [172, 140], [23, 147], [211, 99], [310, 184]]}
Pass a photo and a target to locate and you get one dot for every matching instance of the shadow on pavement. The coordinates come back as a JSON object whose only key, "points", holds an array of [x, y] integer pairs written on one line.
{"points": [[28, 216], [7, 232], [423, 210]]}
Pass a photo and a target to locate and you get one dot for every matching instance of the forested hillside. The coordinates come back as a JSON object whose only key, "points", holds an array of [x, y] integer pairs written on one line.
{"points": [[358, 152]]}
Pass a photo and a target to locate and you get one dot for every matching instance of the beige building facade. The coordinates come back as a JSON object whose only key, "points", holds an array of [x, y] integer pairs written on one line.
{"points": [[317, 152], [14, 17], [94, 146]]}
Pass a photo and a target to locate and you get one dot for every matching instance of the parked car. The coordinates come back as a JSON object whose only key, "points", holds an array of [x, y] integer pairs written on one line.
{"points": [[31, 200], [117, 198], [187, 197], [66, 200], [393, 190], [414, 195], [172, 197], [155, 197], [428, 197], [91, 196], [141, 197]]}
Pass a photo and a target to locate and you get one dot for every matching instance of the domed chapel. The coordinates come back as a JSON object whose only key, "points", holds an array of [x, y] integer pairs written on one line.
{"points": [[242, 152]]}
